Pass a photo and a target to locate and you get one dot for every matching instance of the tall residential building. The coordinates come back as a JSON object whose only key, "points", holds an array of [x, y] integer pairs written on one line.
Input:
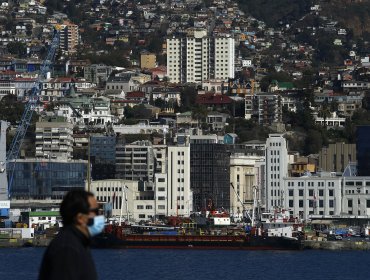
{"points": [[276, 170], [135, 162], [266, 108], [54, 138], [210, 176], [195, 58], [363, 150], [69, 37]]}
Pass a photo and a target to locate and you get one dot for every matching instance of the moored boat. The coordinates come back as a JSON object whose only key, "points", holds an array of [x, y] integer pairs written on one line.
{"points": [[254, 239]]}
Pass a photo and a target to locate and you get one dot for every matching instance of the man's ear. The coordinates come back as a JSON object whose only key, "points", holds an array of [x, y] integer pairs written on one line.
{"points": [[80, 219]]}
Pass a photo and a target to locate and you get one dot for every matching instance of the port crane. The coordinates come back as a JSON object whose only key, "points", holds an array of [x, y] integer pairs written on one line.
{"points": [[13, 152]]}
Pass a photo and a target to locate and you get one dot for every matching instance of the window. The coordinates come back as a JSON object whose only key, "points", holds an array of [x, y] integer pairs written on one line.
{"points": [[161, 189], [368, 203], [350, 203], [300, 203], [140, 207], [141, 216], [331, 192], [300, 192], [321, 192], [291, 192], [321, 203], [291, 203], [161, 207], [149, 207], [331, 203], [161, 180], [310, 192], [161, 198]]}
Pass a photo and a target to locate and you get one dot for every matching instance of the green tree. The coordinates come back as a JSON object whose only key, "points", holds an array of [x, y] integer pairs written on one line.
{"points": [[313, 142], [188, 98], [11, 110], [199, 113], [17, 48]]}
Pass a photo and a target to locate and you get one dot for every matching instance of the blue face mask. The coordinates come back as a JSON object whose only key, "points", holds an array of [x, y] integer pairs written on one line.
{"points": [[96, 225]]}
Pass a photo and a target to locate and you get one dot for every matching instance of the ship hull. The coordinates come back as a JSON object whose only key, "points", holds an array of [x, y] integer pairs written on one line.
{"points": [[197, 242]]}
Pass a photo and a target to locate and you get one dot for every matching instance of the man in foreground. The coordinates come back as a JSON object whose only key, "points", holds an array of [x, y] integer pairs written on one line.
{"points": [[68, 255]]}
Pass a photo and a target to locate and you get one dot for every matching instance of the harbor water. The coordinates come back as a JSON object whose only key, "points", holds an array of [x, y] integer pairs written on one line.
{"points": [[23, 263]]}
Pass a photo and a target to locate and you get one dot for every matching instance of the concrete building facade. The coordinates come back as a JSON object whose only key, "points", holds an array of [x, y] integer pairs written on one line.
{"points": [[276, 170], [336, 157], [243, 177], [312, 195], [356, 196], [179, 194], [266, 108], [69, 37], [148, 60], [135, 162], [196, 58], [54, 138]]}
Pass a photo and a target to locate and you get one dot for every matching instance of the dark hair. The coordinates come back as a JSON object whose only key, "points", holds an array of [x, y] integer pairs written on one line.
{"points": [[74, 202]]}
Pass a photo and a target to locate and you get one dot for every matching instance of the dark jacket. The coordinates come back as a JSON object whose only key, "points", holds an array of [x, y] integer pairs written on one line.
{"points": [[68, 257]]}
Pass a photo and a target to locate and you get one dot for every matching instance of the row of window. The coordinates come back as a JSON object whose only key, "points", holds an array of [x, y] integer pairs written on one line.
{"points": [[357, 191], [356, 183], [275, 168], [113, 189], [273, 144], [310, 184], [148, 207], [311, 203], [311, 192]]}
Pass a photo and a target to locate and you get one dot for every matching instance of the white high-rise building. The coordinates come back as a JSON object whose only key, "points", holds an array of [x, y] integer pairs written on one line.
{"points": [[276, 170], [179, 196], [197, 58]]}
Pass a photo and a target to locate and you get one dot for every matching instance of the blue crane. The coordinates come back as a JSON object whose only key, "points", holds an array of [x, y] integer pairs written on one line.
{"points": [[13, 152]]}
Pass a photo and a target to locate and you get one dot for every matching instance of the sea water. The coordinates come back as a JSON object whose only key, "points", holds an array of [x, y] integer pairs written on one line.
{"points": [[24, 263]]}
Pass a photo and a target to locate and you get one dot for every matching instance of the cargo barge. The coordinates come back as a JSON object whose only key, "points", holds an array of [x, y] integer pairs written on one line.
{"points": [[116, 238]]}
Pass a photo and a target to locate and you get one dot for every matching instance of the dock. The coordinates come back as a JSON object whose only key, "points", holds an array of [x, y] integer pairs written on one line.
{"points": [[362, 245]]}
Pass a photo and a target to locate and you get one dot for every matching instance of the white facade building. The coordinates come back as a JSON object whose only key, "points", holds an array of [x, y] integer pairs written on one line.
{"points": [[276, 170], [244, 176], [312, 195], [136, 205], [196, 58], [356, 196], [179, 196]]}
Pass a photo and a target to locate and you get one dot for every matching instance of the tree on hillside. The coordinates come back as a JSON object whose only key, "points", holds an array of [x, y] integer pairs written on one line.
{"points": [[188, 96], [11, 109], [17, 48]]}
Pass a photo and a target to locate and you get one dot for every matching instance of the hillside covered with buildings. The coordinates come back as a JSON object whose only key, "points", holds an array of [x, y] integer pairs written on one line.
{"points": [[177, 100]]}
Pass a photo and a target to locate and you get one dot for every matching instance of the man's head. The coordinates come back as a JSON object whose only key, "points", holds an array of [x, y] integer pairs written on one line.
{"points": [[78, 208]]}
